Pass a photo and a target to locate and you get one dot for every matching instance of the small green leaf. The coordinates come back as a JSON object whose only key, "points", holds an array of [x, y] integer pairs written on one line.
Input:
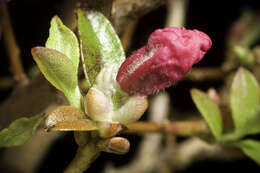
{"points": [[111, 48], [19, 131], [59, 71], [63, 39], [209, 111], [251, 148], [90, 48], [100, 44], [244, 55], [245, 100]]}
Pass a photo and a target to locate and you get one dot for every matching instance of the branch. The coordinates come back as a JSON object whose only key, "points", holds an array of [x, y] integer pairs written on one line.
{"points": [[104, 6], [124, 11], [176, 13], [6, 82], [127, 34], [202, 74], [11, 46], [185, 128], [194, 150], [84, 157]]}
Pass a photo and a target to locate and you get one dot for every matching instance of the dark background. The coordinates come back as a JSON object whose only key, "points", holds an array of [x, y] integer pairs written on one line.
{"points": [[31, 18]]}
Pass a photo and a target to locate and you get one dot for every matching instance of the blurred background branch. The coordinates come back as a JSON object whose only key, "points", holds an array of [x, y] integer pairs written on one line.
{"points": [[12, 46]]}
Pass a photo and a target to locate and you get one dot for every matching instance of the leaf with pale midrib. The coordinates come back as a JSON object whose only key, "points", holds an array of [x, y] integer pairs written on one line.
{"points": [[100, 45]]}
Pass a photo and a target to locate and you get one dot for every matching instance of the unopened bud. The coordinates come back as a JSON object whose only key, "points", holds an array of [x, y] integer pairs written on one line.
{"points": [[97, 105], [213, 94], [116, 145], [108, 129], [164, 60], [132, 110]]}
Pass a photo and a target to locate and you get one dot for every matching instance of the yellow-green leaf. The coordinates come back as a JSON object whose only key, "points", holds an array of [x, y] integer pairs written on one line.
{"points": [[59, 70], [244, 55], [62, 39], [209, 110], [245, 100], [251, 148], [19, 131]]}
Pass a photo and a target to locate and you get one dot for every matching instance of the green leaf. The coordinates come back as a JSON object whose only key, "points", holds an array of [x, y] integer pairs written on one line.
{"points": [[64, 40], [59, 70], [19, 131], [244, 55], [245, 99], [90, 48], [111, 48], [252, 34], [118, 98], [209, 111], [251, 148], [100, 44]]}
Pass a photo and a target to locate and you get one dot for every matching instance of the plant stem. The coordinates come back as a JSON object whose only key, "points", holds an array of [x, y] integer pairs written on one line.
{"points": [[127, 35], [185, 128], [176, 13], [11, 45], [83, 159], [6, 82], [202, 74], [124, 11]]}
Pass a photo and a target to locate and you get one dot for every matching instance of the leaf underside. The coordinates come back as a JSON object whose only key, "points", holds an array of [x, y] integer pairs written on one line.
{"points": [[68, 118]]}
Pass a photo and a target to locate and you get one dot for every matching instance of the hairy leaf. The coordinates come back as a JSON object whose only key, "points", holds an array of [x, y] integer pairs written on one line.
{"points": [[59, 71]]}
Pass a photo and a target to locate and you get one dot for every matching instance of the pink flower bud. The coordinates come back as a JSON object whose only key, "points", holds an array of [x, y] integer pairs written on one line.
{"points": [[165, 59]]}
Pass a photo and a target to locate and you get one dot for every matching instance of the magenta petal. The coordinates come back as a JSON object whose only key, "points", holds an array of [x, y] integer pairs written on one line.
{"points": [[167, 57]]}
